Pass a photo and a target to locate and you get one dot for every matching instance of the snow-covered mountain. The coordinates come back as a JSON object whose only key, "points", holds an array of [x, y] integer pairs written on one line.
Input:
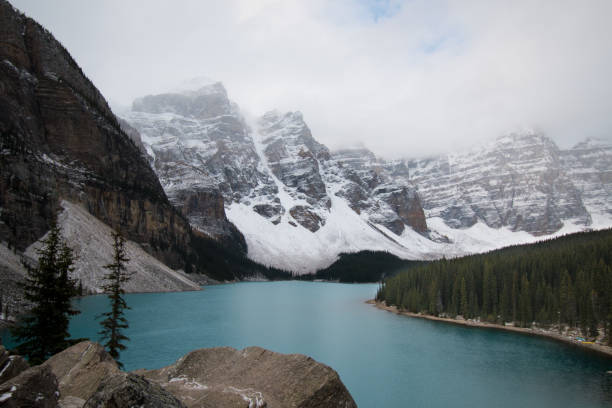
{"points": [[298, 205], [518, 181]]}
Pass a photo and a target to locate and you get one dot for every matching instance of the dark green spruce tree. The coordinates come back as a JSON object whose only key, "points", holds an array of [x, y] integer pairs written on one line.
{"points": [[43, 330], [114, 320]]}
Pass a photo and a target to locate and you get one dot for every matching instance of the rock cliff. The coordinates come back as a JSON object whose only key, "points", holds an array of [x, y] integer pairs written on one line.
{"points": [[60, 140]]}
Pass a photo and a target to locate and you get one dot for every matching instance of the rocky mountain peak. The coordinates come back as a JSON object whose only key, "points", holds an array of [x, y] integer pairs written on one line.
{"points": [[272, 173], [299, 205], [290, 129], [207, 102]]}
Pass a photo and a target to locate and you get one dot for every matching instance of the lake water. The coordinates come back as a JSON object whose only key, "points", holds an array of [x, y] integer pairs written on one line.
{"points": [[385, 360]]}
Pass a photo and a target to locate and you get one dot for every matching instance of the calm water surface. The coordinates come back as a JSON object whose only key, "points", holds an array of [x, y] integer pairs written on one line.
{"points": [[385, 360]]}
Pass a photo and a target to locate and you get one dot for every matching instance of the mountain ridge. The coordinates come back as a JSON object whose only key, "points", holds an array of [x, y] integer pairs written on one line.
{"points": [[299, 205]]}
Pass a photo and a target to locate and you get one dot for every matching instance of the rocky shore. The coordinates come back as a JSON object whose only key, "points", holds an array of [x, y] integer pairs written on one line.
{"points": [[535, 331], [86, 376]]}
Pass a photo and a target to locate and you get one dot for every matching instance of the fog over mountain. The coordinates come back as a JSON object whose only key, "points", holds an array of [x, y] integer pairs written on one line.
{"points": [[403, 78]]}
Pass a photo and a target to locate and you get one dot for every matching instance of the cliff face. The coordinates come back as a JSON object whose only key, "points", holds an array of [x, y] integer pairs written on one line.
{"points": [[522, 181], [60, 140], [589, 165], [379, 189]]}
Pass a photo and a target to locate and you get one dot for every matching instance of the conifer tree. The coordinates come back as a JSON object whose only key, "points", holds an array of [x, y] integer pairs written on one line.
{"points": [[114, 320], [43, 330]]}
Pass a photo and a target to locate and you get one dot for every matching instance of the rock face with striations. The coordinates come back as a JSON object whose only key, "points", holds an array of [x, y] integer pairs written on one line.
{"points": [[381, 189], [60, 140], [254, 377], [589, 165], [80, 370], [519, 181]]}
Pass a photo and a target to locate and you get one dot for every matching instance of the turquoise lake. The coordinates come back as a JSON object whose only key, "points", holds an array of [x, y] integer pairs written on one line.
{"points": [[385, 360]]}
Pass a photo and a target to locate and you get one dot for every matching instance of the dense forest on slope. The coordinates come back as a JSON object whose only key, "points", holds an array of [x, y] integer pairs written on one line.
{"points": [[361, 267], [560, 282], [225, 263]]}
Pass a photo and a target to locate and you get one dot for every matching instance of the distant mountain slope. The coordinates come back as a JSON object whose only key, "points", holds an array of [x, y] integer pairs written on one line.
{"points": [[299, 205], [589, 165]]}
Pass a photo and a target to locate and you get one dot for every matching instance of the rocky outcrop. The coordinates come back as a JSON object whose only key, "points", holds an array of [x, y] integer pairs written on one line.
{"points": [[35, 387], [307, 218], [85, 375], [271, 211], [10, 365], [80, 370], [254, 377], [130, 390]]}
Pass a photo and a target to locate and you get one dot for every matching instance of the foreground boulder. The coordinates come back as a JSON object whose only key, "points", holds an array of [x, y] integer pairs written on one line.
{"points": [[80, 369], [254, 377], [131, 390], [85, 375], [35, 387], [10, 366]]}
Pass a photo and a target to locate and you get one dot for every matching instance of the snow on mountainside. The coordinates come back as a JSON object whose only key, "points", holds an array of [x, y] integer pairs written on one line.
{"points": [[299, 205]]}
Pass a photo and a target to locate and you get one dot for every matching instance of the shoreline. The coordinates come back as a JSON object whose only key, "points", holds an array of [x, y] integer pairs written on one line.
{"points": [[596, 348]]}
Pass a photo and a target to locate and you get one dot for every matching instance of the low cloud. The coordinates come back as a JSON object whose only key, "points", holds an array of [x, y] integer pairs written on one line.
{"points": [[404, 78]]}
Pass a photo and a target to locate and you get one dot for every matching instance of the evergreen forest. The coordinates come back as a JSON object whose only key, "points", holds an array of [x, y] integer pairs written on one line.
{"points": [[562, 282]]}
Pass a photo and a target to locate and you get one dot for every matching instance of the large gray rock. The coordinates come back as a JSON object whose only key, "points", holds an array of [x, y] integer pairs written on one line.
{"points": [[35, 387], [123, 390], [80, 369], [254, 377], [10, 366]]}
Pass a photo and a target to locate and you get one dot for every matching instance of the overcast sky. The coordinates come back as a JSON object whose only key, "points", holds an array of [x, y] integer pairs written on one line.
{"points": [[405, 78]]}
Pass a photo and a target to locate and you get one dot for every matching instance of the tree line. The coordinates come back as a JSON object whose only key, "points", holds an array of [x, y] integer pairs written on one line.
{"points": [[43, 330], [361, 267], [563, 282]]}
